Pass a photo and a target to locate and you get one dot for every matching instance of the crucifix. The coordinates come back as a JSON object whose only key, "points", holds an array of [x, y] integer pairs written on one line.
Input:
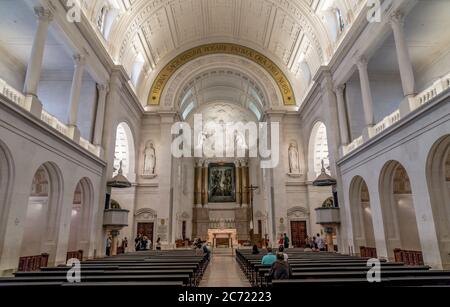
{"points": [[251, 188]]}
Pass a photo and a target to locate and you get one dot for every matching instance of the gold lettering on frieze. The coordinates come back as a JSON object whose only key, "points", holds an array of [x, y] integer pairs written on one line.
{"points": [[225, 48]]}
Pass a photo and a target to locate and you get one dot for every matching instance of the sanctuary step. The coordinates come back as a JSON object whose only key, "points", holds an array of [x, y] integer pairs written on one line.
{"points": [[223, 251]]}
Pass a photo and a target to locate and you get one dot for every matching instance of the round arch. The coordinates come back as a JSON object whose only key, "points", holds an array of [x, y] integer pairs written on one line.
{"points": [[239, 66], [361, 214], [125, 151], [317, 149], [81, 217], [6, 180], [175, 64], [43, 212], [438, 179], [397, 208]]}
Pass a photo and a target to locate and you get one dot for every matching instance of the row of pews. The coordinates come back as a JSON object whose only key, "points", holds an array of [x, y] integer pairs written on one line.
{"points": [[168, 268], [332, 269]]}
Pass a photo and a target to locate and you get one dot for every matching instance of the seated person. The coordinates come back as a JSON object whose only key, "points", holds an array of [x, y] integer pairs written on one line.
{"points": [[269, 258], [280, 269], [281, 250], [255, 250]]}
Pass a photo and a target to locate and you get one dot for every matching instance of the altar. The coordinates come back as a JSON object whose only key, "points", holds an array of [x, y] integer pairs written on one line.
{"points": [[222, 238]]}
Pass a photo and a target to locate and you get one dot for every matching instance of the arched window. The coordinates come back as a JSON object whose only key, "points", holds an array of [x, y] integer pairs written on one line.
{"points": [[137, 69], [188, 110], [101, 19], [306, 72], [106, 17], [124, 151], [255, 110], [340, 20], [318, 148]]}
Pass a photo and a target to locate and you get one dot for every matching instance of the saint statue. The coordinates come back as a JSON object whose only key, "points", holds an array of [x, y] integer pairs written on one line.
{"points": [[293, 159], [149, 159]]}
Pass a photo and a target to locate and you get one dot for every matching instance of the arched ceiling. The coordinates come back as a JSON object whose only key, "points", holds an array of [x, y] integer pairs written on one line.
{"points": [[220, 85], [288, 32]]}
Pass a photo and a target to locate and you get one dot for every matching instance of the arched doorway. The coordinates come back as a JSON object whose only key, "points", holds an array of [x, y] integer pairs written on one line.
{"points": [[43, 213], [6, 178], [398, 209], [363, 233], [438, 177], [81, 218]]}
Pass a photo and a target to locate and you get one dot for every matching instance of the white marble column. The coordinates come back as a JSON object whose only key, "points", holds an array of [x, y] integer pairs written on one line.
{"points": [[404, 62], [332, 124], [35, 62], [342, 113], [277, 209], [100, 116], [75, 93], [165, 158], [366, 96]]}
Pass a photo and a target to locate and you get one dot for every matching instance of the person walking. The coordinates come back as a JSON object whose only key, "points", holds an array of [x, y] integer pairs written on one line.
{"points": [[137, 242], [286, 241], [158, 244], [108, 246], [320, 242], [281, 240]]}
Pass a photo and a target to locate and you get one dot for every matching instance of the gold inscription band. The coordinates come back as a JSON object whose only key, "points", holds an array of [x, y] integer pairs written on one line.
{"points": [[223, 48]]}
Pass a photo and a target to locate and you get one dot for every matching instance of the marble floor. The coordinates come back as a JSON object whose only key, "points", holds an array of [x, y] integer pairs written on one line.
{"points": [[223, 271]]}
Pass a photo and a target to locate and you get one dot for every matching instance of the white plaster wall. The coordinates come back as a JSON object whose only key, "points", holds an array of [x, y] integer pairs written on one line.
{"points": [[26, 138], [12, 70], [54, 93], [428, 74], [36, 219], [387, 94], [76, 225], [407, 222], [355, 108], [410, 145]]}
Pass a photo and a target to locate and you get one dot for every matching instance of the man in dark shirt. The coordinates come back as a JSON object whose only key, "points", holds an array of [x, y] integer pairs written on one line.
{"points": [[280, 269]]}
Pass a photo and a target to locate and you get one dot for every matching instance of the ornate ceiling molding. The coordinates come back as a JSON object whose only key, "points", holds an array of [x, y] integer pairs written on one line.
{"points": [[272, 69], [189, 72]]}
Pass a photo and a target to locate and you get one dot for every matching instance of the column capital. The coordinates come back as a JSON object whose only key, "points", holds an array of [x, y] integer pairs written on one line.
{"points": [[79, 59], [103, 87], [397, 18], [339, 89], [43, 14], [146, 69], [327, 83], [362, 62]]}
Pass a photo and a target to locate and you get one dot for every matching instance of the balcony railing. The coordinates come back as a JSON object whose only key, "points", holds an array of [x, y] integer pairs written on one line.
{"points": [[18, 98], [440, 86], [12, 94], [435, 89], [54, 123]]}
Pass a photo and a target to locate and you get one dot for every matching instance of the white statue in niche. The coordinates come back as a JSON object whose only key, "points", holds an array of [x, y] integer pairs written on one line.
{"points": [[293, 159], [149, 160]]}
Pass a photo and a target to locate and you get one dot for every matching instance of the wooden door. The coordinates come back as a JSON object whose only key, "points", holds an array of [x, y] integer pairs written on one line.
{"points": [[145, 229], [298, 233]]}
